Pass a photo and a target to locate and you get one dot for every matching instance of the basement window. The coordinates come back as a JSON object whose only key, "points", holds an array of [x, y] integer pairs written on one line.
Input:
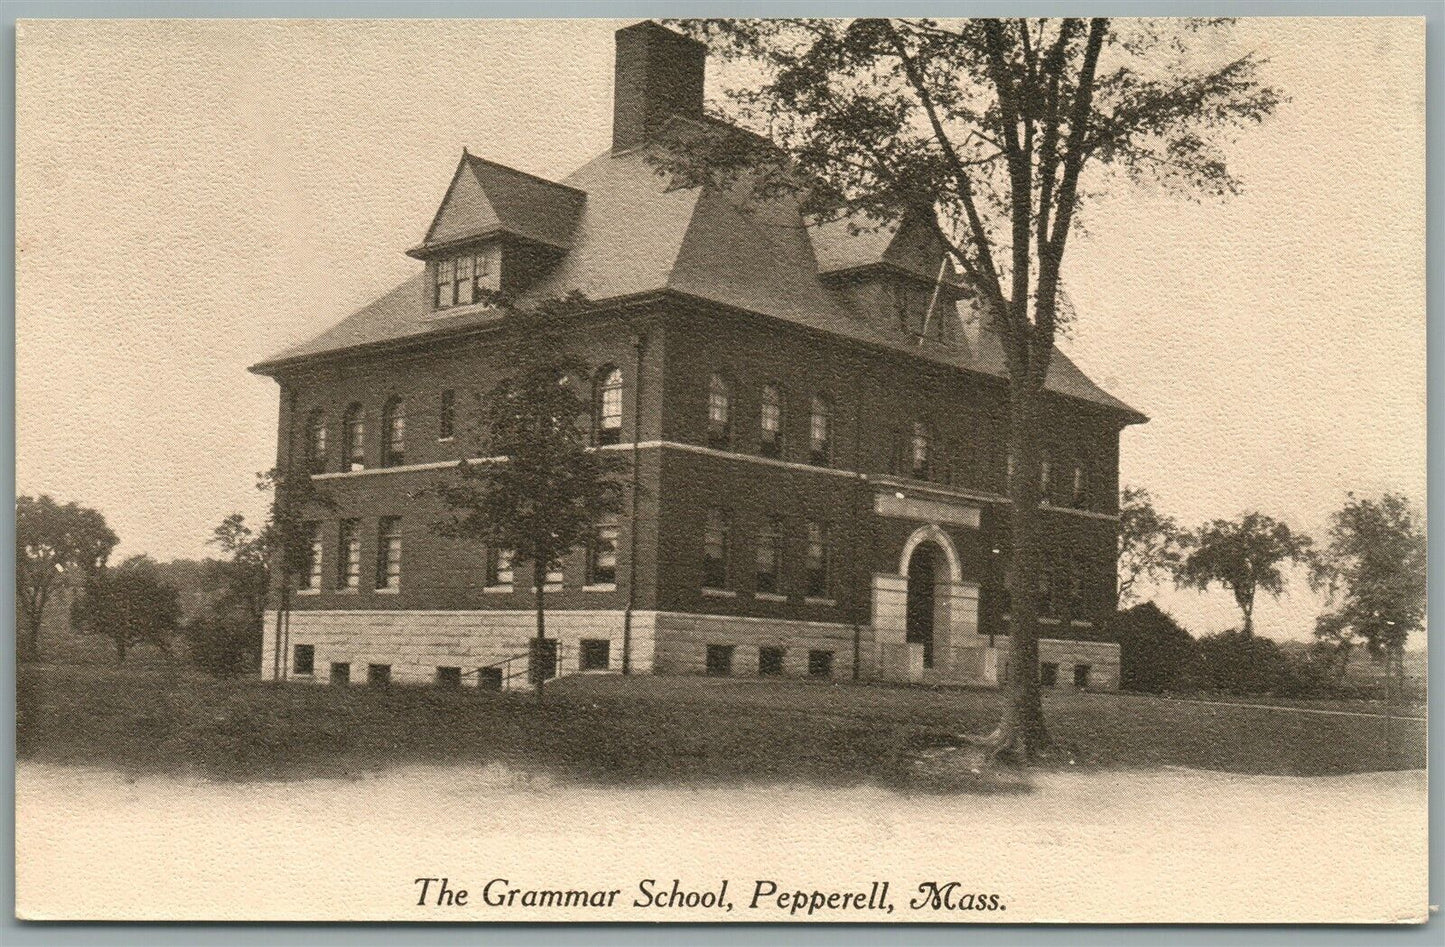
{"points": [[449, 677], [378, 675], [820, 664], [1081, 676], [1048, 674], [340, 673], [719, 660], [770, 662], [595, 654], [303, 660]]}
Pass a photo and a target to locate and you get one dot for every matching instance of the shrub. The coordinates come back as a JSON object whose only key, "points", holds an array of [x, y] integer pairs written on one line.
{"points": [[1152, 647], [222, 647], [1241, 664]]}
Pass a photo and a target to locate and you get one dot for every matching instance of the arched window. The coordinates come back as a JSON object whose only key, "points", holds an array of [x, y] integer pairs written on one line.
{"points": [[355, 427], [393, 433], [770, 422], [922, 451], [719, 413], [607, 405], [316, 442], [820, 432]]}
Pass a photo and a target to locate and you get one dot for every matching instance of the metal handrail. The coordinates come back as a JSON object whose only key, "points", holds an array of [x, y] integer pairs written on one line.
{"points": [[505, 664]]}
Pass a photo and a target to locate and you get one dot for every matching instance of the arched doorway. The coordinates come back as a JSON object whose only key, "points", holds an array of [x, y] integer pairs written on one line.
{"points": [[926, 567]]}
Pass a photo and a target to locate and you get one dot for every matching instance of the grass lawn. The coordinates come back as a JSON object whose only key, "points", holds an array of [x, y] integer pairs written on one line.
{"points": [[639, 730]]}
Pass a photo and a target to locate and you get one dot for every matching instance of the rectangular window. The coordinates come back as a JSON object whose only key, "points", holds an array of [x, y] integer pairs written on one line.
{"points": [[446, 415], [1081, 676], [499, 567], [1078, 607], [817, 561], [489, 679], [719, 413], [462, 279], [340, 673], [486, 273], [602, 553], [1080, 491], [770, 662], [820, 432], [303, 659], [770, 422], [310, 579], [719, 660], [378, 675], [594, 654], [715, 550], [820, 664], [443, 297], [388, 553], [348, 559], [770, 557], [1048, 674], [449, 677]]}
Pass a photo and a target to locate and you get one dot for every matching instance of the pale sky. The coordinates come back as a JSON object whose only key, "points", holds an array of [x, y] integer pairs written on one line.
{"points": [[193, 196]]}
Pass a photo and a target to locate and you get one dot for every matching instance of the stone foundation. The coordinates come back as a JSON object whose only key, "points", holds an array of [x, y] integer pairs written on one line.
{"points": [[415, 644]]}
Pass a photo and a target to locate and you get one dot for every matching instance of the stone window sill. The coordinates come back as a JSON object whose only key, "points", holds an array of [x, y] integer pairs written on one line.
{"points": [[600, 587], [390, 591], [719, 593], [497, 590], [769, 597], [1081, 624]]}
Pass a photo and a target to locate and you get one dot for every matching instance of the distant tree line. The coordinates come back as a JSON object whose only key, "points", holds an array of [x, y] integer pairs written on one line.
{"points": [[1371, 567]]}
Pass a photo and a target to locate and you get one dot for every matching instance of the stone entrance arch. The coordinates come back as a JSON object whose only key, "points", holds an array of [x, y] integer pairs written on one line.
{"points": [[922, 629]]}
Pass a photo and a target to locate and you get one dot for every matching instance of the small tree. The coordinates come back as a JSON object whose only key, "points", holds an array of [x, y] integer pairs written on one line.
{"points": [[1244, 557], [222, 640], [53, 543], [1149, 543], [128, 604], [1373, 568], [544, 489]]}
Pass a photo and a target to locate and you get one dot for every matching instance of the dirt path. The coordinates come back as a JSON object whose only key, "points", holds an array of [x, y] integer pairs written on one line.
{"points": [[1157, 845]]}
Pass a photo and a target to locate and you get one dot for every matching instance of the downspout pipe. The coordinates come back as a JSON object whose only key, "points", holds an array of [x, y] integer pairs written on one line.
{"points": [[639, 347]]}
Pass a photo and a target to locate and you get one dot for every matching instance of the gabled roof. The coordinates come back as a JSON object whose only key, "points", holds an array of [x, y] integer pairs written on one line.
{"points": [[486, 198], [633, 234], [856, 241]]}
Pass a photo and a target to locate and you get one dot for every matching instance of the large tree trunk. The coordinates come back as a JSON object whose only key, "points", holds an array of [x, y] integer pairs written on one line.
{"points": [[1021, 732], [31, 650]]}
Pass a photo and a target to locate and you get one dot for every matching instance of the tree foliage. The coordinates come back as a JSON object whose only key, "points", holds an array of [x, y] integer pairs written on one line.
{"points": [[542, 489], [1002, 131], [1149, 543], [1373, 568], [1244, 556], [129, 604], [53, 543], [1153, 648]]}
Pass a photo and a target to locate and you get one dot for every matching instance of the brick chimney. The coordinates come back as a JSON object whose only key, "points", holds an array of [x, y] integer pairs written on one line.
{"points": [[658, 74]]}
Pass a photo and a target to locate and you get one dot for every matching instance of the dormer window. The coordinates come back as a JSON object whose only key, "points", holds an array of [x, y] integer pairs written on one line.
{"points": [[464, 279]]}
